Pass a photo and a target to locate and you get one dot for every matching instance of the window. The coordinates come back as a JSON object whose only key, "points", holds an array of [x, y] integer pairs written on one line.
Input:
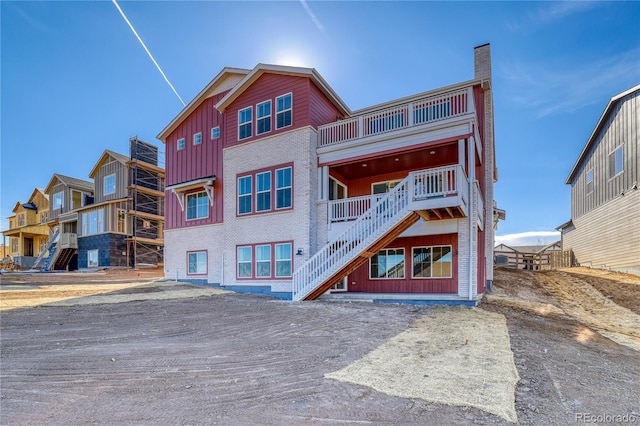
{"points": [[21, 219], [180, 144], [245, 117], [77, 197], [122, 218], [431, 262], [263, 117], [615, 162], [197, 262], [244, 262], [93, 222], [58, 200], [263, 261], [44, 216], [92, 258], [256, 261], [244, 194], [283, 259], [283, 188], [109, 184], [197, 206], [215, 133], [280, 178], [387, 264], [263, 191], [383, 187], [589, 180], [14, 245], [197, 138], [283, 111]]}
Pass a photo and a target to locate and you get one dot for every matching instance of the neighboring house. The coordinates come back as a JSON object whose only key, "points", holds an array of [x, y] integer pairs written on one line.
{"points": [[275, 186], [119, 219], [67, 195], [124, 227], [604, 230], [28, 232]]}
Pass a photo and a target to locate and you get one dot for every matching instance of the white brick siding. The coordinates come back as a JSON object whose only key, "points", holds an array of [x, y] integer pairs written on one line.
{"points": [[180, 241], [297, 225]]}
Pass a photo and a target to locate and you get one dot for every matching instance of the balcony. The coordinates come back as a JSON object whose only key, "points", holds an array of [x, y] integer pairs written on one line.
{"points": [[425, 110], [68, 240], [435, 194]]}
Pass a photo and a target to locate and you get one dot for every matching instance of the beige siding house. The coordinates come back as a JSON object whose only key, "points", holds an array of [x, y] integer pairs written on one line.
{"points": [[604, 230]]}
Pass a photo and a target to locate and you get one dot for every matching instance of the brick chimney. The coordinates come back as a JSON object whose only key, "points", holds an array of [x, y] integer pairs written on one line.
{"points": [[482, 61]]}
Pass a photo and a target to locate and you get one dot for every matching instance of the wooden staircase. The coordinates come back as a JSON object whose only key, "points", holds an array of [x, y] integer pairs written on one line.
{"points": [[63, 259]]}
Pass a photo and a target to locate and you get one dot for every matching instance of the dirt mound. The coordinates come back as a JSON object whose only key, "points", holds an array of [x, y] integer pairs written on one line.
{"points": [[575, 293]]}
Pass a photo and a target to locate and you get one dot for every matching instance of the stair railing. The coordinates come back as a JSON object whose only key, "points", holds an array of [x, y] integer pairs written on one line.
{"points": [[40, 260], [383, 215]]}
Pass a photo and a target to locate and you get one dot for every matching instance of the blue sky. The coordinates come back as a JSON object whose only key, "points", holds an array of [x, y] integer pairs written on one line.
{"points": [[75, 80]]}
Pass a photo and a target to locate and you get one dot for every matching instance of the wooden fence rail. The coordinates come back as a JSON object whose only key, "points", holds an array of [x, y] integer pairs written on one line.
{"points": [[535, 261]]}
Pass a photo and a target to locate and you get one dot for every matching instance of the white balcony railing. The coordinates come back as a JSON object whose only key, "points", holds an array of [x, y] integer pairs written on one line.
{"points": [[423, 185], [421, 111], [350, 208], [68, 240]]}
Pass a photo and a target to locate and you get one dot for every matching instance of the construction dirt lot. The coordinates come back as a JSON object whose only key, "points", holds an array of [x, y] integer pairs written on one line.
{"points": [[128, 347]]}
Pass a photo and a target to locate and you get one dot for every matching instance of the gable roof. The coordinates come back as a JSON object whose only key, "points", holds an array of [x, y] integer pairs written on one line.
{"points": [[38, 191], [218, 82], [121, 158], [69, 181], [261, 69], [593, 138]]}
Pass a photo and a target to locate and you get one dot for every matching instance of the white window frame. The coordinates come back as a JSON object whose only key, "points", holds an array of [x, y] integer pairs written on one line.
{"points": [[93, 263], [201, 196], [386, 277], [250, 261], [279, 260], [58, 200], [618, 166], [245, 124], [450, 247], [284, 110], [105, 185], [260, 260], [263, 191], [245, 194], [283, 188], [390, 184], [197, 138], [215, 132], [200, 258], [180, 144], [91, 218], [265, 118]]}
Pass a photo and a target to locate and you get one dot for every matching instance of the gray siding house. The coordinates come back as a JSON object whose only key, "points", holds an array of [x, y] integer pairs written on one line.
{"points": [[604, 230]]}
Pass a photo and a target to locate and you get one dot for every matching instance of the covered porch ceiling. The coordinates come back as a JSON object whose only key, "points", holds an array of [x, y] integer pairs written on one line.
{"points": [[432, 156]]}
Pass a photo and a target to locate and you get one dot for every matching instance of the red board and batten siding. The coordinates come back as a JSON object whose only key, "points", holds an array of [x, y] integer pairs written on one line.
{"points": [[409, 285], [195, 162], [309, 105], [321, 110]]}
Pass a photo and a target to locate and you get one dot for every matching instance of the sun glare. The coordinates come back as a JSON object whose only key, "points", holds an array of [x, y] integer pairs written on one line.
{"points": [[291, 58]]}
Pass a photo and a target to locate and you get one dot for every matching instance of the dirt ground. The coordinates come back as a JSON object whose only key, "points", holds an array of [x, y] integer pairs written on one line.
{"points": [[237, 359]]}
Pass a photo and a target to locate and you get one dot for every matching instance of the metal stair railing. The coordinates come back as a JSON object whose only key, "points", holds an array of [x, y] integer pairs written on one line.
{"points": [[382, 216], [41, 259]]}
